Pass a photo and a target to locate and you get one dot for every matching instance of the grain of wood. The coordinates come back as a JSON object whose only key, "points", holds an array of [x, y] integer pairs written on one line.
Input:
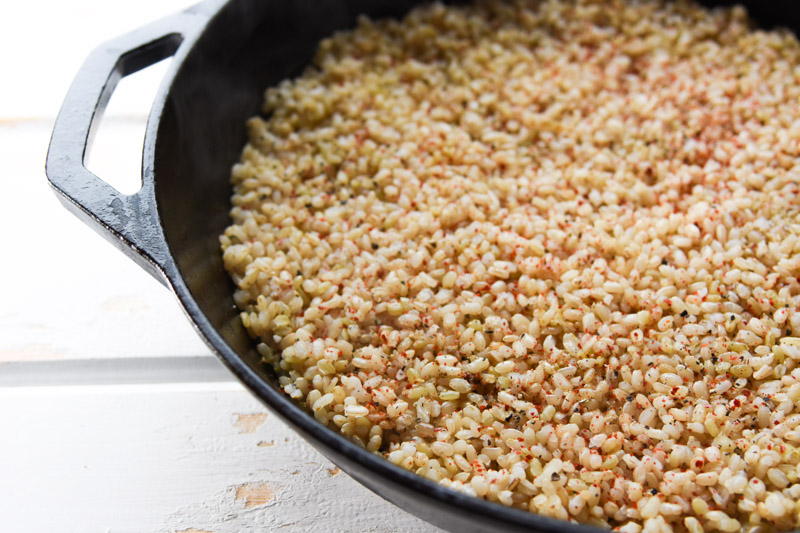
{"points": [[254, 494]]}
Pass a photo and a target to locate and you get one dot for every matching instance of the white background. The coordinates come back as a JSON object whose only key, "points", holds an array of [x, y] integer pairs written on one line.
{"points": [[114, 417]]}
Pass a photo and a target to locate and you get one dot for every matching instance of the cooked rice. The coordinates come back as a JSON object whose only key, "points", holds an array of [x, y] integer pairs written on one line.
{"points": [[542, 253]]}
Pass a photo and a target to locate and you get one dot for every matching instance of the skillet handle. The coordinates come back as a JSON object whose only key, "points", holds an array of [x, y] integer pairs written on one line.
{"points": [[130, 222]]}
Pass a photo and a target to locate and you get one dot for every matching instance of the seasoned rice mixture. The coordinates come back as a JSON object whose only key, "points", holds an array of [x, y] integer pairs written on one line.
{"points": [[542, 253]]}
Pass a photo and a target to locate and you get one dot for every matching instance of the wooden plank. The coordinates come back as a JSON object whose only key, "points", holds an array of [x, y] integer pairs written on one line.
{"points": [[170, 458], [114, 371], [67, 293]]}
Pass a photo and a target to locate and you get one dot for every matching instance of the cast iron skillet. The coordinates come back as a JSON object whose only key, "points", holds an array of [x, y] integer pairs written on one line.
{"points": [[225, 54]]}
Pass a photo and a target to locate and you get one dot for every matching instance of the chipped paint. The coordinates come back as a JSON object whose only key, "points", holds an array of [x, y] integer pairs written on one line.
{"points": [[334, 471], [193, 530], [254, 494], [249, 422], [265, 443]]}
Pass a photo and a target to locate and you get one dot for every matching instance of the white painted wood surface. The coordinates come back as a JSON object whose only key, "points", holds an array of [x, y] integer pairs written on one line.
{"points": [[115, 417], [169, 458], [65, 292]]}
